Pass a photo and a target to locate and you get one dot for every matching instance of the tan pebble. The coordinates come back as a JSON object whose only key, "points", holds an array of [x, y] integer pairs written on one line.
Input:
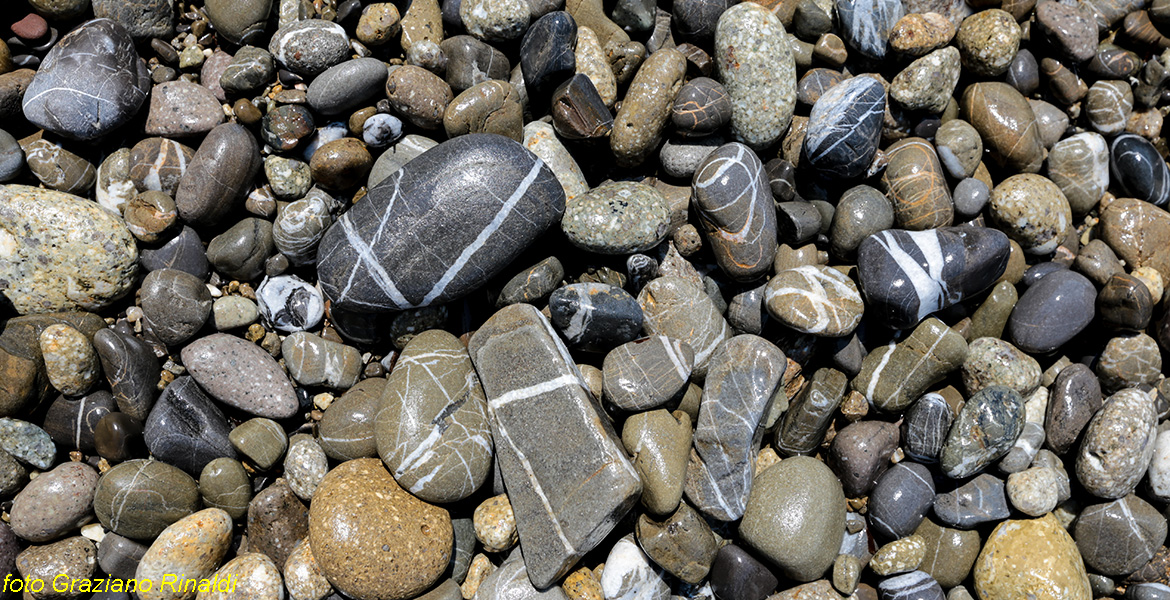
{"points": [[495, 525], [480, 568]]}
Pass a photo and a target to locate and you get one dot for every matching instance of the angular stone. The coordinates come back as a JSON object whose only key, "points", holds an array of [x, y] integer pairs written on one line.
{"points": [[978, 501], [186, 429], [897, 374], [860, 453], [595, 316], [808, 417], [524, 365], [680, 309], [739, 391], [682, 544], [1117, 538], [985, 429]]}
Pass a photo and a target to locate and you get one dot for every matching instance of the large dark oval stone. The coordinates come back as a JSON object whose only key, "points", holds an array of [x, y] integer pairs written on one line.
{"points": [[440, 227], [845, 126], [89, 84], [1139, 169], [1052, 311], [219, 175]]}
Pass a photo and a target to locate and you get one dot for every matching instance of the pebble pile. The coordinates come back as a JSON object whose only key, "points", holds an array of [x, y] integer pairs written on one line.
{"points": [[584, 300]]}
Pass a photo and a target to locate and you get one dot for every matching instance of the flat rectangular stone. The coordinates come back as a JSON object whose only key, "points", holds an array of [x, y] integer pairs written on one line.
{"points": [[567, 477]]}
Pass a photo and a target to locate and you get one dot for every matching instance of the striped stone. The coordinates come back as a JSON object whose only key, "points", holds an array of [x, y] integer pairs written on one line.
{"points": [[440, 227], [680, 308], [741, 384], [735, 206], [895, 375], [567, 477], [815, 299], [917, 187], [845, 126], [432, 426], [646, 373]]}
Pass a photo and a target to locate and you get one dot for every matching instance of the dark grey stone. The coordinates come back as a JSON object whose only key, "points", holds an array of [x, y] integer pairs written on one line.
{"points": [[1052, 312], [347, 85], [186, 429], [844, 128], [900, 500], [981, 500], [595, 316], [131, 368]]}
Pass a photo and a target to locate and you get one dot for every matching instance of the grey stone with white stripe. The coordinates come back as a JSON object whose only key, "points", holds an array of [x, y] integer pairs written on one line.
{"points": [[681, 309], [440, 227], [567, 477], [866, 24], [432, 426], [595, 316], [734, 202], [845, 126], [646, 373], [914, 585], [907, 275], [900, 500], [741, 386]]}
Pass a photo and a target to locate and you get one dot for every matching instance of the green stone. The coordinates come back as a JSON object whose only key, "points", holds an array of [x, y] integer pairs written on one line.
{"points": [[139, 498], [261, 440], [224, 484]]}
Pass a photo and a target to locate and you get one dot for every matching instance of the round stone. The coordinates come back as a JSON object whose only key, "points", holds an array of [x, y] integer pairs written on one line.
{"points": [[372, 539], [617, 218], [1033, 211], [988, 42], [816, 300], [54, 503], [140, 498]]}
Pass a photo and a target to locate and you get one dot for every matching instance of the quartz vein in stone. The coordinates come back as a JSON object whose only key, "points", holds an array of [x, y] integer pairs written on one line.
{"points": [[565, 502]]}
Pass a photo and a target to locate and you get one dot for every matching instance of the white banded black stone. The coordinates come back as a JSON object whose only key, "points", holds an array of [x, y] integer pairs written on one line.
{"points": [[568, 478], [907, 275], [845, 126], [925, 427], [546, 54], [595, 315], [739, 390], [89, 84], [440, 227], [290, 303], [734, 202], [186, 429], [71, 422], [866, 24], [131, 368], [1139, 168], [900, 500]]}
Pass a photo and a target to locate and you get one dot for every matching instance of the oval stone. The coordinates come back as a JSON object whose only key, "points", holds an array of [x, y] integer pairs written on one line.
{"points": [[54, 503], [432, 426], [373, 540], [1079, 166], [61, 252], [1139, 169], [190, 548], [680, 308], [595, 316], [646, 373], [845, 126], [617, 217], [1118, 445], [347, 85], [219, 175], [1005, 120], [253, 576], [985, 430], [795, 517], [1031, 557], [474, 203], [917, 186], [1052, 311], [734, 203], [241, 374], [815, 299], [757, 67], [140, 498]]}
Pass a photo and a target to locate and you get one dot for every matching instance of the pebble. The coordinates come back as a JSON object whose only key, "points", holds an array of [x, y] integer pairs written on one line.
{"points": [[89, 84], [71, 423], [289, 303], [1007, 124], [1052, 312], [646, 373], [55, 503], [138, 498], [433, 415], [682, 544], [629, 574], [303, 577], [73, 558], [731, 198], [984, 430], [639, 122], [305, 466], [737, 574], [310, 47], [866, 25], [65, 253], [357, 510], [240, 374], [950, 553], [1116, 538], [860, 453], [896, 375], [1118, 445], [1139, 169], [758, 71], [815, 300], [71, 364], [899, 502], [1079, 166], [659, 442], [701, 108], [346, 430], [899, 556], [617, 218], [261, 440], [595, 316], [925, 427], [844, 128], [218, 176], [27, 443], [224, 484], [190, 548], [186, 429], [1029, 556], [277, 521], [495, 524], [346, 85], [981, 500], [181, 108], [252, 575]]}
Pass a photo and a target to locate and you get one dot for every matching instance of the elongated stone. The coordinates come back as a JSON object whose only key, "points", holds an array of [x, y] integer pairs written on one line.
{"points": [[131, 369], [893, 376], [474, 203], [219, 175], [740, 389], [845, 126], [191, 548], [808, 418], [757, 67], [735, 206], [432, 427], [1005, 120], [918, 188], [978, 501], [241, 374], [660, 443], [534, 388]]}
